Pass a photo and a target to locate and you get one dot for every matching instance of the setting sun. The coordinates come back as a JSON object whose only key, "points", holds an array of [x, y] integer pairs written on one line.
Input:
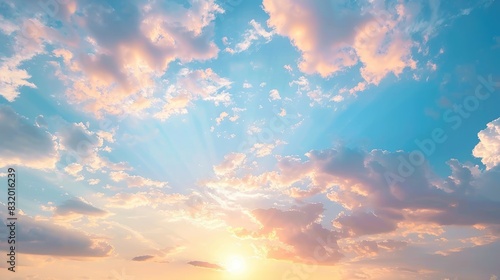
{"points": [[236, 265]]}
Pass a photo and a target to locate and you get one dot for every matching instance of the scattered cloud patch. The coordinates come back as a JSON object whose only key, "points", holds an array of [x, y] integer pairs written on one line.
{"points": [[206, 265]]}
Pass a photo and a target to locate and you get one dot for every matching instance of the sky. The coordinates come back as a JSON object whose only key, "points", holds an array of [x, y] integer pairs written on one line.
{"points": [[247, 139]]}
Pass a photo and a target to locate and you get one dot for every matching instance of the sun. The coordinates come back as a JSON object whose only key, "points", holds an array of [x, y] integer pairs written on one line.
{"points": [[236, 265]]}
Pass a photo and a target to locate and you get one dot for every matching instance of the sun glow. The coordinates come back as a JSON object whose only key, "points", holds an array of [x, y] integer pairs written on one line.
{"points": [[236, 265]]}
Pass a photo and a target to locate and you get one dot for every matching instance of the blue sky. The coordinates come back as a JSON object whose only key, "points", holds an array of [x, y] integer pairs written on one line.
{"points": [[242, 132]]}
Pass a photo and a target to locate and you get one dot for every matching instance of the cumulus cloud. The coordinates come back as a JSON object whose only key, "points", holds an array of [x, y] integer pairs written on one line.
{"points": [[111, 63], [25, 144], [28, 42], [362, 183], [488, 148], [274, 94], [192, 85], [80, 148], [221, 117], [230, 164], [45, 238], [264, 149], [361, 223], [77, 206], [333, 37], [300, 233], [74, 169], [77, 138], [375, 200]]}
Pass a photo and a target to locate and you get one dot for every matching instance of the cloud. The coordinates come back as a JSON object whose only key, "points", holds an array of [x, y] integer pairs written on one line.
{"points": [[221, 117], [206, 265], [134, 181], [299, 230], [12, 80], [192, 85], [143, 258], [41, 122], [93, 182], [374, 199], [250, 36], [42, 237], [128, 201], [25, 144], [77, 206], [361, 223], [81, 148], [488, 148], [372, 248], [362, 183], [76, 137], [152, 198], [439, 266], [7, 27], [274, 94], [112, 63], [27, 43], [333, 37], [264, 149], [316, 94], [230, 164], [74, 169]]}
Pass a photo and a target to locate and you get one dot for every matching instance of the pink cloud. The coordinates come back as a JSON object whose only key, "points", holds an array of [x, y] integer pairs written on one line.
{"points": [[331, 41], [301, 236], [357, 180], [115, 69]]}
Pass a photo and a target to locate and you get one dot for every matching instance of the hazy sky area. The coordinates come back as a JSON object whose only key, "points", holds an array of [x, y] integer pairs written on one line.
{"points": [[248, 140]]}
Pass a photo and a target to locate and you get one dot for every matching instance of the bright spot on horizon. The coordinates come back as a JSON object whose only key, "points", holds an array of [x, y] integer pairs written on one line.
{"points": [[236, 265]]}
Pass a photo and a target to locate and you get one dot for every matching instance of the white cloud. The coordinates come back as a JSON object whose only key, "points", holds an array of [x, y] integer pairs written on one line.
{"points": [[230, 164], [28, 42], [488, 148], [250, 36], [74, 169], [274, 94]]}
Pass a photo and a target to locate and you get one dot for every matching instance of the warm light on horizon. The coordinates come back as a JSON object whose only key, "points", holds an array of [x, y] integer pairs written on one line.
{"points": [[236, 265]]}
